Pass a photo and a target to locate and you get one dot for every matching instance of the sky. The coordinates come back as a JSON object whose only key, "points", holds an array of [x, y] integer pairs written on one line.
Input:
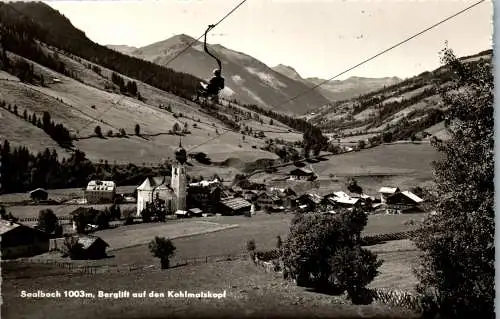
{"points": [[318, 38]]}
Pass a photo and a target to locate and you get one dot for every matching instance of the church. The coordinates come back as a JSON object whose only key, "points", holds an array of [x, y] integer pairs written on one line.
{"points": [[170, 189]]}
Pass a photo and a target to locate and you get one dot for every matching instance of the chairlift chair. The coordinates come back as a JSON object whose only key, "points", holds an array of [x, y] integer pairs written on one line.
{"points": [[206, 90]]}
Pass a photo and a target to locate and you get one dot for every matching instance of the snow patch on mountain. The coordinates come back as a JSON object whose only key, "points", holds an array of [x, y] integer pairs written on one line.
{"points": [[237, 79], [267, 78]]}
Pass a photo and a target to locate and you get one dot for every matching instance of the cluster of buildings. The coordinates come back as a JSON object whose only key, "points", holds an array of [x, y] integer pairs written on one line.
{"points": [[391, 200]]}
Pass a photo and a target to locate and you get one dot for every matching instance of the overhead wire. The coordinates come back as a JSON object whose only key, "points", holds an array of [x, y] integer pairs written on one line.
{"points": [[381, 53], [165, 65]]}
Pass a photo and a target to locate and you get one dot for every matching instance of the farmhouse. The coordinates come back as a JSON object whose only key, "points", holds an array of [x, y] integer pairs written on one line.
{"points": [[267, 200], [403, 202], [251, 195], [21, 241], [100, 192], [234, 206], [385, 192], [206, 194], [302, 174], [39, 194], [155, 188], [342, 199], [310, 201]]}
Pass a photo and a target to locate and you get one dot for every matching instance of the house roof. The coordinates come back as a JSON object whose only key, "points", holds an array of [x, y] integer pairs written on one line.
{"points": [[88, 241], [235, 203], [155, 182], [101, 186], [345, 200], [196, 210], [412, 196], [6, 226], [388, 190]]}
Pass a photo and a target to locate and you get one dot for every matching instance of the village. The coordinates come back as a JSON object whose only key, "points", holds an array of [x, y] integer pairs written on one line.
{"points": [[163, 198]]}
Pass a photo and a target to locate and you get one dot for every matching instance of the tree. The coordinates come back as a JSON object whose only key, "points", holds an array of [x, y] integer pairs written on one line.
{"points": [[47, 221], [73, 248], [137, 130], [98, 131], [457, 273], [176, 127], [162, 248], [323, 251]]}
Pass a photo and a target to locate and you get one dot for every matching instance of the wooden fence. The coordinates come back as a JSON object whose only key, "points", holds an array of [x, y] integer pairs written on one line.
{"points": [[75, 267]]}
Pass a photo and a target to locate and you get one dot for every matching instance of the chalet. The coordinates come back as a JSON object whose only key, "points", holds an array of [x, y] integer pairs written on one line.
{"points": [[21, 241], [156, 188], [234, 206], [311, 201], [100, 192], [403, 202], [39, 194], [267, 200], [251, 195], [385, 192], [205, 194], [302, 174]]}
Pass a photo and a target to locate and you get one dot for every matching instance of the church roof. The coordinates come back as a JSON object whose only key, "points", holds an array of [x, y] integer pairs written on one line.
{"points": [[154, 183]]}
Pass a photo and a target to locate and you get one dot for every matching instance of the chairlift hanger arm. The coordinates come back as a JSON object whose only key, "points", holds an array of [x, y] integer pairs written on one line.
{"points": [[206, 49]]}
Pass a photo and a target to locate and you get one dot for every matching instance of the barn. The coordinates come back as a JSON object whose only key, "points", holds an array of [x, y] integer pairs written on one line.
{"points": [[21, 241], [403, 202]]}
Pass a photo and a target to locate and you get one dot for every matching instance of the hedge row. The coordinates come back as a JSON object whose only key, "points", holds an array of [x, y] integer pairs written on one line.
{"points": [[380, 238]]}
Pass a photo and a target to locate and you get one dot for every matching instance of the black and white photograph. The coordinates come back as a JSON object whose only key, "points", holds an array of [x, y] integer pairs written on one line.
{"points": [[247, 159]]}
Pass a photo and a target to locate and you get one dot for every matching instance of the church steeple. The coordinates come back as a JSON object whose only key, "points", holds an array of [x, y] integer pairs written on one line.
{"points": [[178, 181], [180, 154]]}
